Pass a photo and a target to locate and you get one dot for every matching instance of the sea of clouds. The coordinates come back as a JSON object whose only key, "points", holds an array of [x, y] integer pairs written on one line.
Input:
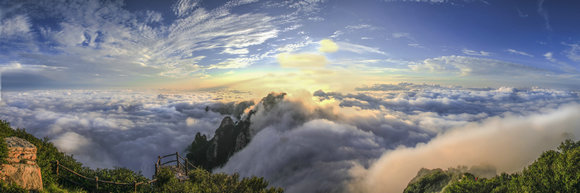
{"points": [[112, 128], [374, 139]]}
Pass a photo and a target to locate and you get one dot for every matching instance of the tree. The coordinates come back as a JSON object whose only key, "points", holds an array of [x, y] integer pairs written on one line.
{"points": [[553, 171]]}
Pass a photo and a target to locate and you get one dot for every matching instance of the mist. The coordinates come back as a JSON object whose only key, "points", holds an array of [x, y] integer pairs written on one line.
{"points": [[507, 143], [344, 143], [372, 140]]}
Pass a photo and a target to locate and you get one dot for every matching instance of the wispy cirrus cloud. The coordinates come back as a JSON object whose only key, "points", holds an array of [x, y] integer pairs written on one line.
{"points": [[496, 72], [360, 49], [475, 53], [573, 52], [464, 66], [544, 14], [513, 51], [17, 26], [120, 44]]}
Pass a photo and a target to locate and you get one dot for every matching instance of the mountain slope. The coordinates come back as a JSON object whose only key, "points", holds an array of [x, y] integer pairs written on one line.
{"points": [[553, 171]]}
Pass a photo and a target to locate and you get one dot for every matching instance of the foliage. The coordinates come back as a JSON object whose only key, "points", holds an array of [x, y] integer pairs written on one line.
{"points": [[431, 182], [3, 149], [48, 154], [55, 188], [553, 171], [11, 188], [469, 183], [201, 180]]}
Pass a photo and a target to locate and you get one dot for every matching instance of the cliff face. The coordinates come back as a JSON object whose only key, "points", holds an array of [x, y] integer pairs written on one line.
{"points": [[21, 168], [230, 136], [228, 139]]}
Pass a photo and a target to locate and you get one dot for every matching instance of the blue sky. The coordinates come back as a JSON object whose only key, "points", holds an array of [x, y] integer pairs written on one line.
{"points": [[190, 44]]}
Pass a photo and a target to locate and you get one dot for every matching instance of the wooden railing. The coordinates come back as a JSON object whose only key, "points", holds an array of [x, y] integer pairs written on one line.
{"points": [[182, 165]]}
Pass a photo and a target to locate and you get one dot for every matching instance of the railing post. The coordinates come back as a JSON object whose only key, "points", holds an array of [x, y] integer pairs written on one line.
{"points": [[177, 158], [135, 186], [157, 164], [57, 166], [97, 181], [186, 167]]}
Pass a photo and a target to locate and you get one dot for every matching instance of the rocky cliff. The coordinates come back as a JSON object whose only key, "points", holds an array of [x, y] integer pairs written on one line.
{"points": [[230, 136], [21, 168]]}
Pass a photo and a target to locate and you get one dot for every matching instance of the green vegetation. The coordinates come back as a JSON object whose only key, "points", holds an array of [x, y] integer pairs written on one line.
{"points": [[47, 154], [429, 181], [3, 149], [553, 171], [11, 188], [201, 180]]}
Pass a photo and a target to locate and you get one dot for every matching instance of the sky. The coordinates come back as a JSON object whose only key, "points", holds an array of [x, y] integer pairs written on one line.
{"points": [[375, 90], [289, 45]]}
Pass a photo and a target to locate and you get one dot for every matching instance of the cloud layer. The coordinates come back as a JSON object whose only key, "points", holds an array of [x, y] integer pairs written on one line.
{"points": [[325, 141], [331, 144], [117, 128], [506, 143]]}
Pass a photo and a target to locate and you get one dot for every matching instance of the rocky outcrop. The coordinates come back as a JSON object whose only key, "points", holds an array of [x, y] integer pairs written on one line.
{"points": [[230, 137], [21, 168]]}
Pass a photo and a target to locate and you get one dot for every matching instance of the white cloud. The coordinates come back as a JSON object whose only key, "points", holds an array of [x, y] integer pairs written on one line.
{"points": [[121, 45], [472, 70], [360, 26], [289, 48], [304, 145], [336, 34], [328, 46], [573, 53], [475, 53], [316, 19], [550, 57], [359, 49], [184, 7], [464, 66], [402, 35], [98, 125], [236, 51], [18, 67], [544, 14], [519, 52], [302, 60], [416, 45], [313, 143], [506, 143], [14, 27], [233, 63]]}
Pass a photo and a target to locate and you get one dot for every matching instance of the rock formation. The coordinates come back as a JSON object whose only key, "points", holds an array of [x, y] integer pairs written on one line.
{"points": [[230, 137], [21, 168]]}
